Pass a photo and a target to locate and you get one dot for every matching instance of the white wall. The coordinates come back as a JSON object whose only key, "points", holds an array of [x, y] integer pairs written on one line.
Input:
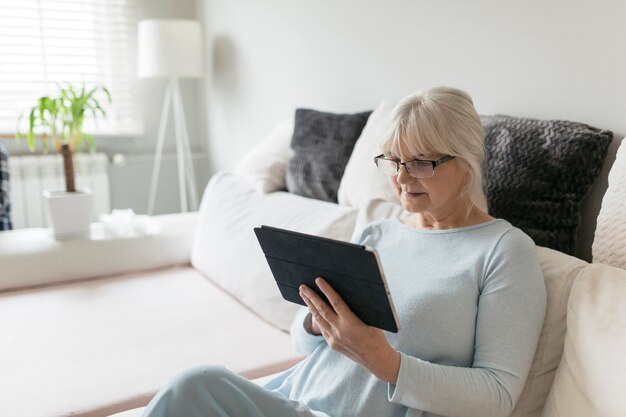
{"points": [[562, 59], [548, 59]]}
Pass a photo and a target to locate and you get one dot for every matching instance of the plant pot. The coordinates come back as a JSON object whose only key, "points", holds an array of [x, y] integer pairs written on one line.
{"points": [[69, 213]]}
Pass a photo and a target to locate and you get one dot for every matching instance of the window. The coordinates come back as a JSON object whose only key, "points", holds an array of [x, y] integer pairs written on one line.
{"points": [[45, 42]]}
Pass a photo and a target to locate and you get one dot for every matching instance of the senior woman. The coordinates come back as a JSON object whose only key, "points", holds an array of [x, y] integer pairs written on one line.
{"points": [[467, 288]]}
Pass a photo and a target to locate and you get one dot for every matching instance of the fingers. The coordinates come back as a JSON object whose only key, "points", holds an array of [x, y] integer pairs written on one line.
{"points": [[333, 297], [339, 307], [322, 307], [322, 323]]}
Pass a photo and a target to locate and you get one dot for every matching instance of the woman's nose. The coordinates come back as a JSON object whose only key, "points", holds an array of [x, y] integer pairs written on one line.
{"points": [[403, 175]]}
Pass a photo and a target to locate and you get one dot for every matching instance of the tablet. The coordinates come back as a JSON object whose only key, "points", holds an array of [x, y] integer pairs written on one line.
{"points": [[354, 271]]}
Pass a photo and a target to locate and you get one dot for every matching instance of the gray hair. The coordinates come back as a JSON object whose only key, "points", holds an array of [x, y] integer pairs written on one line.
{"points": [[441, 120]]}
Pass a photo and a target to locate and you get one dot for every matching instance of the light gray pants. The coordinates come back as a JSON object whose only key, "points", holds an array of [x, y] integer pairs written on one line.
{"points": [[214, 391]]}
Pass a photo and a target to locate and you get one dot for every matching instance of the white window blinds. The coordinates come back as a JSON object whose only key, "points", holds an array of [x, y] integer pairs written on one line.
{"points": [[45, 42]]}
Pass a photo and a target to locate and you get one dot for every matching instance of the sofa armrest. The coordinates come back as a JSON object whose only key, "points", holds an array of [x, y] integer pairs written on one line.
{"points": [[31, 257]]}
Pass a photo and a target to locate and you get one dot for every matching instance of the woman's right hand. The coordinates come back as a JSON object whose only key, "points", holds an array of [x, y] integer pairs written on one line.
{"points": [[347, 334]]}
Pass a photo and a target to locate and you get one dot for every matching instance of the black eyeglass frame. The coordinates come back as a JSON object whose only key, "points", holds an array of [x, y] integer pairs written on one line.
{"points": [[435, 164]]}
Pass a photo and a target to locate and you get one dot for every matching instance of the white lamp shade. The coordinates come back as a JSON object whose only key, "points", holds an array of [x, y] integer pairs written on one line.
{"points": [[170, 48]]}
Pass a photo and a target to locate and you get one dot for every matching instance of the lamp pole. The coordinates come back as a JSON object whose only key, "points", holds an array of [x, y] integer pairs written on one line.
{"points": [[172, 49], [186, 175]]}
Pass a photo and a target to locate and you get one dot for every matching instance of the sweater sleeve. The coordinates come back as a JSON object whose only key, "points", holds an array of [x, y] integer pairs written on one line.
{"points": [[303, 341], [511, 308]]}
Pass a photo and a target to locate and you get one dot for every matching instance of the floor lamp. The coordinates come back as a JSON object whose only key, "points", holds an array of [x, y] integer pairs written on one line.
{"points": [[172, 49]]}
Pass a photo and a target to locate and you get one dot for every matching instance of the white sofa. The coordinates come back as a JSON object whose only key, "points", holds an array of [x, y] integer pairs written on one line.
{"points": [[96, 327]]}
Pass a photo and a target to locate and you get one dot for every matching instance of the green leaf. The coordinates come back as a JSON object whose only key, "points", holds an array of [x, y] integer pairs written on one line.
{"points": [[31, 135], [61, 116]]}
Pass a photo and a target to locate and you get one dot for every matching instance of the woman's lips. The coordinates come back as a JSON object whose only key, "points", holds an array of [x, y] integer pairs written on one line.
{"points": [[410, 194]]}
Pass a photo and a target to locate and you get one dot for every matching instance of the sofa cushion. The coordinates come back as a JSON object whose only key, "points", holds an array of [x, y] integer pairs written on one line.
{"points": [[538, 171], [609, 244], [361, 181], [590, 378], [322, 144], [227, 252], [265, 165], [559, 272], [31, 257], [97, 347]]}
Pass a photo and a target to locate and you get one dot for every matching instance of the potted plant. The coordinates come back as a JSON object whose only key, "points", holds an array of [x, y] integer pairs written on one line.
{"points": [[59, 119]]}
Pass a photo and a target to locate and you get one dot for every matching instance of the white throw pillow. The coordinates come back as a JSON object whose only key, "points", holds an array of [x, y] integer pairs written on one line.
{"points": [[361, 181], [226, 249], [559, 272], [590, 381], [609, 244], [266, 164]]}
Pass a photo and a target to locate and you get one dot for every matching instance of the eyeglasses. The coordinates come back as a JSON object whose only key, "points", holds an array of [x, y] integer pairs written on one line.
{"points": [[417, 168]]}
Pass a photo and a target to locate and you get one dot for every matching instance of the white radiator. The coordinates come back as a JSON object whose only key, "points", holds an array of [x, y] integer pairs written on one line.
{"points": [[30, 175]]}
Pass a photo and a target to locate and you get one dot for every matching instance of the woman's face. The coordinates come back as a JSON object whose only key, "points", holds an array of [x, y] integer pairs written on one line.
{"points": [[439, 195]]}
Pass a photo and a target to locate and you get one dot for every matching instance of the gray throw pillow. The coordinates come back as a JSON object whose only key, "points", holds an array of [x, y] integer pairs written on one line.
{"points": [[322, 144], [537, 173]]}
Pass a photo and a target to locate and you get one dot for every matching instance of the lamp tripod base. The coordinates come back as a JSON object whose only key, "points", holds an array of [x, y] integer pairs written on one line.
{"points": [[186, 174]]}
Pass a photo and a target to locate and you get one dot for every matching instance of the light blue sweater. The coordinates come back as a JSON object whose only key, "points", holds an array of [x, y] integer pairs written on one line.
{"points": [[470, 302]]}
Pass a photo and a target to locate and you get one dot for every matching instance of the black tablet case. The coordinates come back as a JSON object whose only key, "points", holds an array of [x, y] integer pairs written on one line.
{"points": [[297, 258]]}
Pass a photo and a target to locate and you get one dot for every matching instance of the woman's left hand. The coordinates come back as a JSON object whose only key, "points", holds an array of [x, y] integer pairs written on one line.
{"points": [[347, 334]]}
